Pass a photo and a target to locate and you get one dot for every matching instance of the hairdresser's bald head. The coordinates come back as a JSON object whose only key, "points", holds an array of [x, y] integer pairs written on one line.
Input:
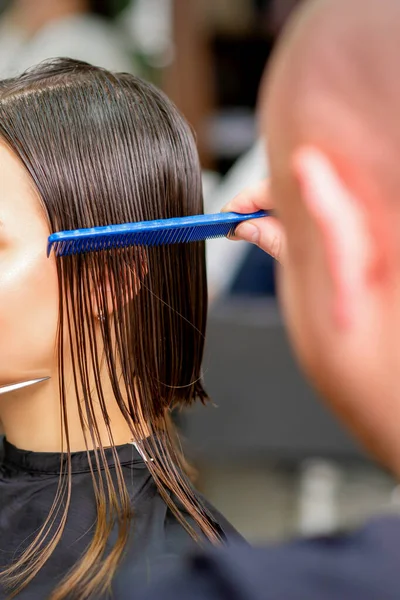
{"points": [[335, 82], [330, 108]]}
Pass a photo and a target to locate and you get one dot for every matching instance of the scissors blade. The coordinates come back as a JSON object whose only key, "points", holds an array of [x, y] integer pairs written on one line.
{"points": [[16, 386]]}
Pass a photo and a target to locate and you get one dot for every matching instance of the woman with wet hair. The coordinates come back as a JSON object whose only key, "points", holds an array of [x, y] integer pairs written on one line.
{"points": [[92, 482]]}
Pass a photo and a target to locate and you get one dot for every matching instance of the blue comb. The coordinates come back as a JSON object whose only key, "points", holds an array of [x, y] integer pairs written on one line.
{"points": [[147, 233]]}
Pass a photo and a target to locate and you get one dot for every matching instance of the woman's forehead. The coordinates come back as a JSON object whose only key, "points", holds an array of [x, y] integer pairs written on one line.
{"points": [[16, 189]]}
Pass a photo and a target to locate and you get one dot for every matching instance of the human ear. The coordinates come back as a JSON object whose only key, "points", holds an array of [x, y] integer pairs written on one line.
{"points": [[103, 294], [342, 225]]}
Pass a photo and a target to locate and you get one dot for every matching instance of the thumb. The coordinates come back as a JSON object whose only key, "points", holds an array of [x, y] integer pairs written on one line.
{"points": [[267, 234]]}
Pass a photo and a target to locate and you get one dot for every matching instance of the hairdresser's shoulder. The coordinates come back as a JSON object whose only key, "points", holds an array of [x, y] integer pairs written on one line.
{"points": [[361, 565]]}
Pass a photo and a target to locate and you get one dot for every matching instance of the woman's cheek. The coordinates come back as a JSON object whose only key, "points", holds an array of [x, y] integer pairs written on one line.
{"points": [[28, 318], [44, 286]]}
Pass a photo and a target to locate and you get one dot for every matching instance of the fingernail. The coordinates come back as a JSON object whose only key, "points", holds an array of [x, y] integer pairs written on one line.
{"points": [[248, 232]]}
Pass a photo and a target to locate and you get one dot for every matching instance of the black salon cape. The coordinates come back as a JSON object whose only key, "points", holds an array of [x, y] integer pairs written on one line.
{"points": [[28, 484], [364, 565]]}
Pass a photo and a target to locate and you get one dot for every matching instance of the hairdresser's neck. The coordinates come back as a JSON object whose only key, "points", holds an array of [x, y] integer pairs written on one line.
{"points": [[31, 420], [32, 15]]}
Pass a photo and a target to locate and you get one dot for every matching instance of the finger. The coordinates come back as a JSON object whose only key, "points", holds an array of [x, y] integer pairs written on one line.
{"points": [[251, 199], [267, 233]]}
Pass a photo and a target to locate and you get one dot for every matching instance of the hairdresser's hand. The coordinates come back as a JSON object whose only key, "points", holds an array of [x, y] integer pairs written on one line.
{"points": [[266, 233]]}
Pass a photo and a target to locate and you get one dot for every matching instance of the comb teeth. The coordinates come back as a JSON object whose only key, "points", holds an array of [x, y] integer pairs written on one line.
{"points": [[147, 233], [142, 238]]}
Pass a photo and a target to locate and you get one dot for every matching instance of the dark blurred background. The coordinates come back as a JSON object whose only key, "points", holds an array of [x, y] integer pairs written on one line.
{"points": [[268, 454]]}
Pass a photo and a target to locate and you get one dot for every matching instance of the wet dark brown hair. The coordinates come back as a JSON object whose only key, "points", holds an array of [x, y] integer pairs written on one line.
{"points": [[105, 148]]}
